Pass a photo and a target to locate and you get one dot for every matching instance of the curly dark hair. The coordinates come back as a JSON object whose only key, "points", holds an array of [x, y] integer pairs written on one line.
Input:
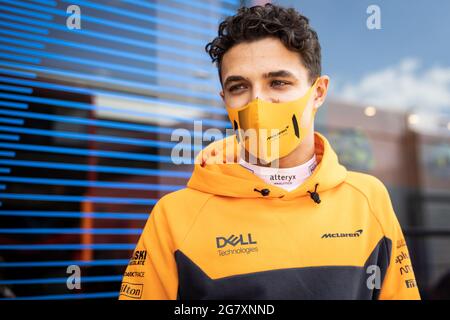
{"points": [[257, 22]]}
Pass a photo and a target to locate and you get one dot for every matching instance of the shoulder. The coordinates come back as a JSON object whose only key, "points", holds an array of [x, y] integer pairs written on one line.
{"points": [[368, 185], [186, 198], [375, 193], [176, 212]]}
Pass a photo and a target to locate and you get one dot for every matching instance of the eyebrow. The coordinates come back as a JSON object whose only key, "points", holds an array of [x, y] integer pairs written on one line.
{"points": [[272, 74], [233, 79], [279, 73]]}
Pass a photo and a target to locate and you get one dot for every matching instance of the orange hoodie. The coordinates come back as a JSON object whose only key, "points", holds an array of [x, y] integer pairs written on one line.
{"points": [[229, 235]]}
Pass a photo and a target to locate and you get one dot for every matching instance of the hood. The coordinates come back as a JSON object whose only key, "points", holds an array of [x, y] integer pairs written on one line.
{"points": [[223, 176]]}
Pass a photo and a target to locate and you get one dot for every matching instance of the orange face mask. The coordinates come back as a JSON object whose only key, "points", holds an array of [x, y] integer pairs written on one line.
{"points": [[269, 131]]}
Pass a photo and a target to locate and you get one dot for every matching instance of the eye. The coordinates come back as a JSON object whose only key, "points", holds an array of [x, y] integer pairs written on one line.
{"points": [[278, 83], [236, 87]]}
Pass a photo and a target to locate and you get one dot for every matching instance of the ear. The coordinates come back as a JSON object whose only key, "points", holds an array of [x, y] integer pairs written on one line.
{"points": [[222, 95], [321, 90]]}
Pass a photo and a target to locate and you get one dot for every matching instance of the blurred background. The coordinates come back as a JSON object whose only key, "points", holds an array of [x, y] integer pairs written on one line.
{"points": [[88, 104]]}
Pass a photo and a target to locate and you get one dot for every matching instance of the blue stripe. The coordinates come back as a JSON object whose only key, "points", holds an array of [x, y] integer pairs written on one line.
{"points": [[64, 198], [11, 121], [95, 153], [206, 6], [23, 27], [90, 107], [70, 296], [103, 123], [70, 214], [12, 137], [108, 169], [175, 11], [19, 58], [160, 21], [122, 11], [7, 154], [166, 103], [96, 137], [5, 170], [128, 27], [24, 43], [159, 34], [16, 89], [160, 61], [106, 262], [111, 231], [121, 82], [122, 40], [25, 12], [13, 104], [93, 184], [112, 66], [92, 122], [83, 279], [18, 73], [99, 246], [46, 2], [232, 2]]}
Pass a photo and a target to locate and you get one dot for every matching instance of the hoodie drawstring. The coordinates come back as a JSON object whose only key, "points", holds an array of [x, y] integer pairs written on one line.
{"points": [[314, 195], [264, 192]]}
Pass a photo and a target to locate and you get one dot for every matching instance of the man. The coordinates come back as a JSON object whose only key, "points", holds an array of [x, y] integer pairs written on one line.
{"points": [[271, 215]]}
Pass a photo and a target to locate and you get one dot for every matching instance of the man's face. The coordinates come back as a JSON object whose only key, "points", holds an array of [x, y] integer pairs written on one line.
{"points": [[264, 69]]}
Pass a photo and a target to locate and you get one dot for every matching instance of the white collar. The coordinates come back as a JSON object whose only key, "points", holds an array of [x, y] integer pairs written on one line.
{"points": [[286, 178]]}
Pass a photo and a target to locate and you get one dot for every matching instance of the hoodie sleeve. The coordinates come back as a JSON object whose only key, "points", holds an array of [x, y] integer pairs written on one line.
{"points": [[152, 273], [399, 282]]}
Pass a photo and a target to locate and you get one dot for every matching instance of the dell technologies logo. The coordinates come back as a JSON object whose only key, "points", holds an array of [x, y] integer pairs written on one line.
{"points": [[234, 240], [243, 242]]}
